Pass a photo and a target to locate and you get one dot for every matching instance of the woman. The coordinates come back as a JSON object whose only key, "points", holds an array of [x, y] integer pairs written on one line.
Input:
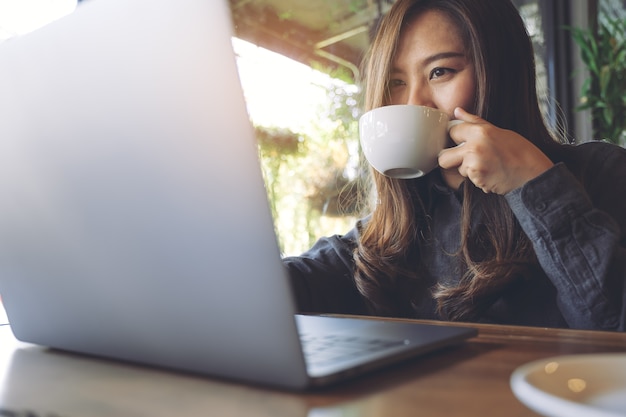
{"points": [[513, 227]]}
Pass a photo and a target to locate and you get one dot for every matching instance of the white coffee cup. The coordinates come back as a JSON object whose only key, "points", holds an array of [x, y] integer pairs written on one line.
{"points": [[404, 141]]}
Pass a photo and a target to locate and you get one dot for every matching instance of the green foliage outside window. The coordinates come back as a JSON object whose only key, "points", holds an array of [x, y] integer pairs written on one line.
{"points": [[604, 93], [310, 177]]}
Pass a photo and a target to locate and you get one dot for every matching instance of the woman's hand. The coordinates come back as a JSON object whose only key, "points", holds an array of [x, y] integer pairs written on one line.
{"points": [[495, 160]]}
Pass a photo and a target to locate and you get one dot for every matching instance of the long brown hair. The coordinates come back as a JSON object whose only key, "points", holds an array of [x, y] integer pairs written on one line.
{"points": [[495, 253]]}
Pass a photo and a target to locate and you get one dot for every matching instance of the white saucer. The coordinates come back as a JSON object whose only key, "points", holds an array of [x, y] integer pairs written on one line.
{"points": [[575, 385]]}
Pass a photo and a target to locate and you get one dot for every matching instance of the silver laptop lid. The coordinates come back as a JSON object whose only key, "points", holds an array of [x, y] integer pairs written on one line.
{"points": [[133, 217]]}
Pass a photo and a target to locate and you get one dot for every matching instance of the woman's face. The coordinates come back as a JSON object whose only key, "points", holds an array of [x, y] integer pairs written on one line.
{"points": [[430, 67]]}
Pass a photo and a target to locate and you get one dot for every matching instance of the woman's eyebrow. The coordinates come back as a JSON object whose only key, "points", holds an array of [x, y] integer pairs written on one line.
{"points": [[442, 55]]}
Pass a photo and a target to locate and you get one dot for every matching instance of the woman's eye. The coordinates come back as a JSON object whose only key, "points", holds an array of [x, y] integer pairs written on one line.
{"points": [[439, 72], [396, 83]]}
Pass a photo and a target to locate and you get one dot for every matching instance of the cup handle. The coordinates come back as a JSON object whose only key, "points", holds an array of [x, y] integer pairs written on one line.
{"points": [[454, 123]]}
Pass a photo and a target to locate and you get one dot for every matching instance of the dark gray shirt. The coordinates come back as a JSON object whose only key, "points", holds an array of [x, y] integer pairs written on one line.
{"points": [[575, 216]]}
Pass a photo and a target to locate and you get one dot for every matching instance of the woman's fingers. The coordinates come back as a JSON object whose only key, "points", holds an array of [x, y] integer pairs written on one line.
{"points": [[495, 160]]}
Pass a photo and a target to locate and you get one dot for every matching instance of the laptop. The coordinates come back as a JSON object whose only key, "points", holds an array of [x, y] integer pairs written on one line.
{"points": [[134, 221]]}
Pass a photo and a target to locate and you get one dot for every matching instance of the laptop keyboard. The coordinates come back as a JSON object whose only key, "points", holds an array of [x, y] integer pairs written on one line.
{"points": [[328, 349]]}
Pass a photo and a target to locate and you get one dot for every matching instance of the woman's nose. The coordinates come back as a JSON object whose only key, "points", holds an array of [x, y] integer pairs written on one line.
{"points": [[420, 96]]}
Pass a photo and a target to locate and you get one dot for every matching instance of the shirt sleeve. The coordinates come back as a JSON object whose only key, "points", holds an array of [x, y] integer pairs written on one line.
{"points": [[577, 225], [322, 277]]}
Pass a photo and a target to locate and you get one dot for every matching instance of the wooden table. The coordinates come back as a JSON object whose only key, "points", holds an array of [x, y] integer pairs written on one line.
{"points": [[471, 379]]}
